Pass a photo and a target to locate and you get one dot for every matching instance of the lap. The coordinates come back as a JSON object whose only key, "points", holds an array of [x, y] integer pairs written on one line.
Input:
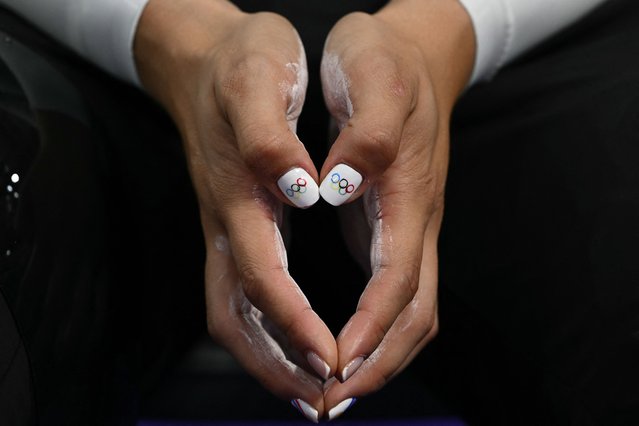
{"points": [[540, 238]]}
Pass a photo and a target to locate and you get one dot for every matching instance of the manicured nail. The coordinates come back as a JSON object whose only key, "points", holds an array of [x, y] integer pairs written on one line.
{"points": [[306, 409], [339, 184], [318, 364], [352, 367], [299, 187], [340, 408]]}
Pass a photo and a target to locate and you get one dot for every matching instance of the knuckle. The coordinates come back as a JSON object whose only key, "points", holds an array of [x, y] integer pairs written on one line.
{"points": [[376, 328], [394, 84], [434, 191], [423, 325], [291, 328], [436, 200], [252, 284], [379, 146], [262, 152], [390, 76], [407, 282], [379, 378], [243, 73]]}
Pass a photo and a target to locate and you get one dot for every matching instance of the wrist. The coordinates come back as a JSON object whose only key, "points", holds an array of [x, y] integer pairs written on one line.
{"points": [[174, 39], [443, 32]]}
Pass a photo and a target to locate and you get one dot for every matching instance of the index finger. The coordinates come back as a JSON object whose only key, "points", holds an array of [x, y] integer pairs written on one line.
{"points": [[238, 326], [262, 267], [396, 257]]}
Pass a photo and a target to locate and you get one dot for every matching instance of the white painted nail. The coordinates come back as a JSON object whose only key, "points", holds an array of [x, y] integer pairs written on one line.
{"points": [[299, 187], [340, 184], [306, 409], [340, 408], [351, 368], [318, 364]]}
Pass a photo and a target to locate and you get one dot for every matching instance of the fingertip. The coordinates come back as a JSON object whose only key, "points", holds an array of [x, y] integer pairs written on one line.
{"points": [[306, 409], [340, 184], [341, 408], [299, 187], [338, 398]]}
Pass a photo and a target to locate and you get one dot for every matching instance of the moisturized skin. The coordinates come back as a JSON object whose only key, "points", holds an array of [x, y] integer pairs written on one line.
{"points": [[236, 104], [381, 239], [336, 84], [232, 82], [295, 93], [390, 81]]}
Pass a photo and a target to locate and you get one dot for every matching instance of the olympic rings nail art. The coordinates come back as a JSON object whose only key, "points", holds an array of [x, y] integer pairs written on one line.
{"points": [[339, 184], [299, 187]]}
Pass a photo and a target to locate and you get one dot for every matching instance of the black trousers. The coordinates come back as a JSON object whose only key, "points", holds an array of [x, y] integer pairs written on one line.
{"points": [[101, 252]]}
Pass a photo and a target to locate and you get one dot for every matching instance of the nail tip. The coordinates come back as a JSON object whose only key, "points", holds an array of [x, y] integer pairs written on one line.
{"points": [[299, 187], [351, 368], [320, 366], [341, 408], [307, 203], [330, 199], [340, 184], [306, 409]]}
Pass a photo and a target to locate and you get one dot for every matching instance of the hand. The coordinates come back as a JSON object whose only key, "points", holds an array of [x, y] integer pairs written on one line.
{"points": [[234, 84], [391, 80]]}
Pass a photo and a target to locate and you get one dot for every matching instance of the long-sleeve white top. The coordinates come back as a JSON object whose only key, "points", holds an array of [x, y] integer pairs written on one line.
{"points": [[103, 30]]}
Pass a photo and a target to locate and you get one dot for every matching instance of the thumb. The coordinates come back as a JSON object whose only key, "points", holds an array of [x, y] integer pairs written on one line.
{"points": [[262, 107], [371, 109]]}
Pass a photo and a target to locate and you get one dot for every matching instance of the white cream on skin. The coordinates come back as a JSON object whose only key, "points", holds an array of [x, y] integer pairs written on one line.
{"points": [[268, 203], [279, 247], [381, 237], [269, 353], [268, 350], [281, 252], [336, 87], [295, 93], [222, 244]]}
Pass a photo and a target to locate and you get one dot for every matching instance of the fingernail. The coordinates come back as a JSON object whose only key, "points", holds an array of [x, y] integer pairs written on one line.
{"points": [[319, 365], [340, 184], [351, 368], [306, 409], [299, 187], [340, 408]]}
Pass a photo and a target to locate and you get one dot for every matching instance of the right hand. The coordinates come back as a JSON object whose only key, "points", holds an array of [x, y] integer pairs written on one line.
{"points": [[390, 81], [234, 84]]}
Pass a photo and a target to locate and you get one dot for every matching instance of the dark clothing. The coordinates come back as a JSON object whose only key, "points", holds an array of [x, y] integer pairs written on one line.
{"points": [[101, 254], [540, 245]]}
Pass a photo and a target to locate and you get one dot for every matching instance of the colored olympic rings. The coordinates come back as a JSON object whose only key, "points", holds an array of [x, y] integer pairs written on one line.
{"points": [[341, 185], [297, 189]]}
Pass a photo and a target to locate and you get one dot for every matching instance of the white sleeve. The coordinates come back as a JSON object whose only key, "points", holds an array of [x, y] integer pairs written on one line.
{"points": [[100, 30], [506, 28]]}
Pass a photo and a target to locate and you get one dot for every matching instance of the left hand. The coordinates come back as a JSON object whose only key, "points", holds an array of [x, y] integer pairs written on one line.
{"points": [[234, 84], [391, 80]]}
